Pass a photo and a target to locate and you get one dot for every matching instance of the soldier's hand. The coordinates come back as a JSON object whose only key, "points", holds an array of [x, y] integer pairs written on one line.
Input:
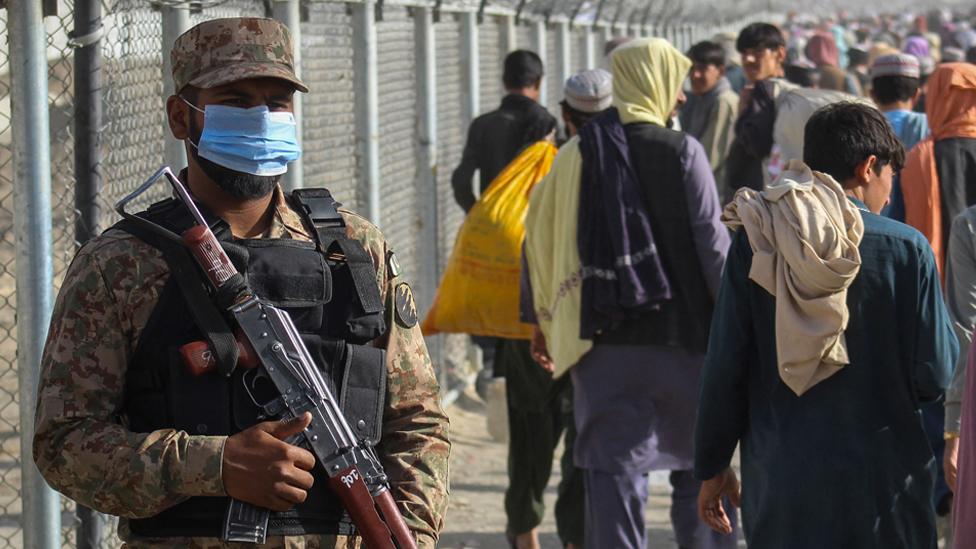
{"points": [[261, 469]]}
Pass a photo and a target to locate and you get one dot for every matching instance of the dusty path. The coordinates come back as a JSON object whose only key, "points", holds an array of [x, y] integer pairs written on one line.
{"points": [[476, 518]]}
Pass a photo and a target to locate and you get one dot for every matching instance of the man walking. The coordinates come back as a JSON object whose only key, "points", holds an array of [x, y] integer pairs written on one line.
{"points": [[540, 399], [495, 138], [763, 51], [623, 302], [710, 112], [829, 331], [939, 179], [896, 88]]}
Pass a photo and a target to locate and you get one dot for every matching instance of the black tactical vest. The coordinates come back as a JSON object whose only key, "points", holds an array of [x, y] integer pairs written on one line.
{"points": [[329, 289]]}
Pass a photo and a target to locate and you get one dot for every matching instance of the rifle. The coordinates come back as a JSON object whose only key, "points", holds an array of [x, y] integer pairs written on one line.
{"points": [[269, 345]]}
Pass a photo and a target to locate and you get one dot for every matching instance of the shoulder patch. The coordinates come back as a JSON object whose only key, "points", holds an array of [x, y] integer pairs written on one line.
{"points": [[406, 307]]}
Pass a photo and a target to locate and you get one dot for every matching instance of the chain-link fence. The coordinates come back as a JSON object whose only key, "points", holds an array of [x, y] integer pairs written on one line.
{"points": [[9, 441], [131, 138]]}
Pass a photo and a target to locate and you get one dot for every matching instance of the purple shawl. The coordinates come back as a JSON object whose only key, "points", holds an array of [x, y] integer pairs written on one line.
{"points": [[622, 271], [917, 46]]}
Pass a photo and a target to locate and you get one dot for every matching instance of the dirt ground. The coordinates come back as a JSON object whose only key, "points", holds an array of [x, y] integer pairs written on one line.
{"points": [[476, 517]]}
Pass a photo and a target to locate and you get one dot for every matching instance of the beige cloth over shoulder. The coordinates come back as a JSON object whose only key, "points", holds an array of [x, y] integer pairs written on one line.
{"points": [[804, 235]]}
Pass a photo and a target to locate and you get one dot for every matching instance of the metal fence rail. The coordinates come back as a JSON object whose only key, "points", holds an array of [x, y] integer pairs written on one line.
{"points": [[395, 173]]}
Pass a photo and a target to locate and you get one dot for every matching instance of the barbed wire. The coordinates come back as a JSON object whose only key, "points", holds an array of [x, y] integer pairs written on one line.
{"points": [[192, 5]]}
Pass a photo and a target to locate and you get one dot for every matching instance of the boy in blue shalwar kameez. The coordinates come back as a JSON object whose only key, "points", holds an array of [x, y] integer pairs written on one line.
{"points": [[829, 331]]}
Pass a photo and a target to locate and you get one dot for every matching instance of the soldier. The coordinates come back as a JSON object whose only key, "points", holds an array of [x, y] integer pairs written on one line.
{"points": [[121, 425]]}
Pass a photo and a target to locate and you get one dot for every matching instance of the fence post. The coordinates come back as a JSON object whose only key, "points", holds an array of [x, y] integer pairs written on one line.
{"points": [[470, 66], [428, 214], [563, 54], [289, 13], [426, 56], [608, 35], [509, 37], [589, 43], [30, 123], [175, 21], [367, 102], [86, 39], [539, 45]]}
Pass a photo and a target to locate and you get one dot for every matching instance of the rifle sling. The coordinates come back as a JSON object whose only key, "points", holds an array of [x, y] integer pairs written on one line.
{"points": [[187, 275]]}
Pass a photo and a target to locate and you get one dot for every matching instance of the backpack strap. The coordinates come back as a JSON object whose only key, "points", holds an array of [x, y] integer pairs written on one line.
{"points": [[322, 212]]}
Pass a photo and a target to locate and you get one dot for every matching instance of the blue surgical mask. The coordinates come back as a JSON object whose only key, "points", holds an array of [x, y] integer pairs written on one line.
{"points": [[255, 141]]}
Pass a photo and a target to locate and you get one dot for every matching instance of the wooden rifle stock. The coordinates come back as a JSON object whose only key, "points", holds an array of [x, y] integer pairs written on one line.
{"points": [[379, 528]]}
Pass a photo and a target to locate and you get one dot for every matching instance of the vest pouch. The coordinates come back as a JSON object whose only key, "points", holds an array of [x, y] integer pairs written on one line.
{"points": [[303, 291], [366, 327], [347, 317], [364, 391], [307, 282], [357, 308]]}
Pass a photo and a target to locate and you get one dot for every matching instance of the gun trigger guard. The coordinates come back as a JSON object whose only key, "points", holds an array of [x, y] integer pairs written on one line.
{"points": [[272, 408]]}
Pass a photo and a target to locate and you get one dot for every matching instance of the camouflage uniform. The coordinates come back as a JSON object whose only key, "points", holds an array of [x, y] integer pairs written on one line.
{"points": [[82, 445]]}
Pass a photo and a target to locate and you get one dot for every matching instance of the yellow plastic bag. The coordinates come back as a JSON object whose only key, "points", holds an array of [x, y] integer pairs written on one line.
{"points": [[479, 293]]}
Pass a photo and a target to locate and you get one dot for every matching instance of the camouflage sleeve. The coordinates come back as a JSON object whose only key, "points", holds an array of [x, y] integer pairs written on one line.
{"points": [[79, 444], [415, 445]]}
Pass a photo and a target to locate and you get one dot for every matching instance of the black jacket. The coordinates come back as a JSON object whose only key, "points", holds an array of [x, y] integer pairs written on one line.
{"points": [[495, 139], [753, 140]]}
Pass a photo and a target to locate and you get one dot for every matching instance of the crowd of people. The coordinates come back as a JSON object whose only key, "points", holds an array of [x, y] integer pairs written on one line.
{"points": [[763, 246]]}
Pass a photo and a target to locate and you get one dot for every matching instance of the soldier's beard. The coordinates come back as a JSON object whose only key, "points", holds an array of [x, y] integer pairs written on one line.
{"points": [[240, 185]]}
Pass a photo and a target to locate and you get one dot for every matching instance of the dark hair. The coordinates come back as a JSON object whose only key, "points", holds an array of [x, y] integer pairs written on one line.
{"points": [[971, 55], [707, 53], [578, 117], [760, 35], [889, 89], [802, 76], [840, 136], [523, 69], [857, 56]]}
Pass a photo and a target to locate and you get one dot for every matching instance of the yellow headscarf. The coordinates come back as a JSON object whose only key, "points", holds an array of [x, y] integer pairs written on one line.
{"points": [[647, 75]]}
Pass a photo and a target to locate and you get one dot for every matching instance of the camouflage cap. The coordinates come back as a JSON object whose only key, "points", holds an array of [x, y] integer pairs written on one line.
{"points": [[226, 50]]}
